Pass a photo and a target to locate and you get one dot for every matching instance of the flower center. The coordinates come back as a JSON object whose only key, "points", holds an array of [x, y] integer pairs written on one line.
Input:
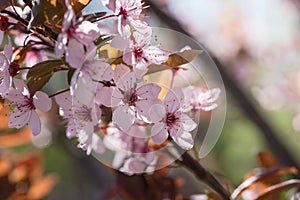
{"points": [[14, 69], [71, 31], [171, 119], [123, 12], [130, 98], [83, 113], [138, 52], [4, 24], [29, 103]]}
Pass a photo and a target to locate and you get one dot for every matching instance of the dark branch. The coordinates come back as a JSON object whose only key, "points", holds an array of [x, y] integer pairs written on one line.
{"points": [[237, 93]]}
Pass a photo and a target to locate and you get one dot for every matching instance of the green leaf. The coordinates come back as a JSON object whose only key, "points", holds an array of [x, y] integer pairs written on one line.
{"points": [[41, 73], [175, 60]]}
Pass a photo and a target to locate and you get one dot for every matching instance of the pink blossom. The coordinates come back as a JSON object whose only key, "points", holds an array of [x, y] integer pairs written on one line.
{"points": [[85, 79], [169, 119], [129, 14], [132, 154], [105, 87], [5, 61], [132, 99], [199, 99], [76, 36], [81, 121], [107, 84], [25, 106], [140, 54], [7, 21]]}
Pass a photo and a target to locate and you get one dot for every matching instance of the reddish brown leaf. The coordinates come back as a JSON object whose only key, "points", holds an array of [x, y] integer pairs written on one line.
{"points": [[263, 178], [42, 186], [5, 165], [278, 188], [4, 116], [267, 160], [21, 137]]}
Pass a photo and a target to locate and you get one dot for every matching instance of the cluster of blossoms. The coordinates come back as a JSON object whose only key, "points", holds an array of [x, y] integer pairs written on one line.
{"points": [[108, 106]]}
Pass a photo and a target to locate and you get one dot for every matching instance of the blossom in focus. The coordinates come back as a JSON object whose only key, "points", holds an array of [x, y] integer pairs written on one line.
{"points": [[24, 106], [132, 99], [199, 99], [107, 84], [131, 149], [140, 54], [129, 14], [76, 36], [169, 119]]}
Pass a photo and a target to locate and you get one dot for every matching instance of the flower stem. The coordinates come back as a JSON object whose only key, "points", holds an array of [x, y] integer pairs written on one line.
{"points": [[104, 17], [59, 92], [204, 175]]}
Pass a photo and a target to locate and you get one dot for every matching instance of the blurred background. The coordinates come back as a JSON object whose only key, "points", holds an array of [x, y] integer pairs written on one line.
{"points": [[258, 44]]}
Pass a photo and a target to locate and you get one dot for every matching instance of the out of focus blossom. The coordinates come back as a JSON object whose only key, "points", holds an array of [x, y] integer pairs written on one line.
{"points": [[199, 99]]}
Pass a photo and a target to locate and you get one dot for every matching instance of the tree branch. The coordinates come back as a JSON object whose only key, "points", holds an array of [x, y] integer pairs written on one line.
{"points": [[237, 93]]}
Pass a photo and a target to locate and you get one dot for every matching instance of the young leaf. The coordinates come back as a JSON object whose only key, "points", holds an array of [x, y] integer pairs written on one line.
{"points": [[278, 188], [175, 60], [47, 10], [262, 180], [181, 58], [41, 73], [53, 10], [78, 5]]}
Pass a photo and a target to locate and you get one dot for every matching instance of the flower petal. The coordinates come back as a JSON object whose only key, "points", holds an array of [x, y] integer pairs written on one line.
{"points": [[21, 86], [184, 140], [35, 123], [71, 129], [8, 51], [188, 123], [123, 117], [174, 99], [18, 118], [75, 54], [159, 133], [120, 70], [120, 43], [104, 95], [157, 112], [97, 144], [126, 82], [42, 101], [155, 55], [1, 36], [136, 166]]}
